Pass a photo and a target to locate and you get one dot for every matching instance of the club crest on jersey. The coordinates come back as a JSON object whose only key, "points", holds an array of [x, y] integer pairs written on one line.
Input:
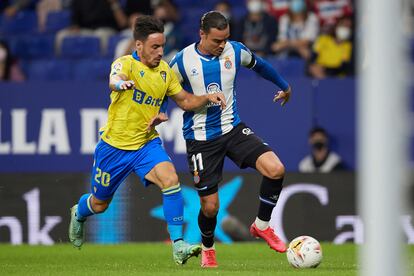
{"points": [[228, 64], [163, 75], [142, 73]]}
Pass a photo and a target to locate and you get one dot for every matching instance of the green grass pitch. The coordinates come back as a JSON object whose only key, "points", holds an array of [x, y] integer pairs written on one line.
{"points": [[156, 259]]}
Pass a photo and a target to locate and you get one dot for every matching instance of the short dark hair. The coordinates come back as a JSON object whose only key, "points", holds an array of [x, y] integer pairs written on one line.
{"points": [[146, 25], [318, 129], [213, 19]]}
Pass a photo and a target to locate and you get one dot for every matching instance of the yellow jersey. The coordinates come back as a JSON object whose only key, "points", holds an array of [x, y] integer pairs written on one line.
{"points": [[131, 110], [332, 54]]}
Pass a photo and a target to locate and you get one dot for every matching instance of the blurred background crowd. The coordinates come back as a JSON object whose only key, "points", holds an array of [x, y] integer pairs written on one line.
{"points": [[78, 39]]}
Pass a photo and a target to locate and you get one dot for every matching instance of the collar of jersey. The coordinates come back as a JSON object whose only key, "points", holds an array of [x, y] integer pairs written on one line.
{"points": [[210, 57], [135, 56]]}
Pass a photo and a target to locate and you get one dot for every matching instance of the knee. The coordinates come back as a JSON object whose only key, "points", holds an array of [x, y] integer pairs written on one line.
{"points": [[100, 207], [210, 209], [169, 181], [275, 170]]}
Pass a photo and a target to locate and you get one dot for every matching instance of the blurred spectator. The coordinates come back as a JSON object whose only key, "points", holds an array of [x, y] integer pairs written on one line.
{"points": [[321, 159], [224, 8], [100, 18], [43, 8], [258, 29], [132, 10], [11, 7], [297, 31], [332, 52], [408, 18], [277, 8], [330, 11], [167, 13], [9, 69]]}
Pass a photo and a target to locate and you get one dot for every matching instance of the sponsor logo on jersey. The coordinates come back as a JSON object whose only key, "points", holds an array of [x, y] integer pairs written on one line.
{"points": [[213, 88], [194, 72], [117, 66], [141, 97]]}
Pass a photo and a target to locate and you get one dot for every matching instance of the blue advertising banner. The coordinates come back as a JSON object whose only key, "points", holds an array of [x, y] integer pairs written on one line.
{"points": [[53, 126]]}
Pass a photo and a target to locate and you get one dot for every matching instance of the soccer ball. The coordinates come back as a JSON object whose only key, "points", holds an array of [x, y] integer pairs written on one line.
{"points": [[304, 252]]}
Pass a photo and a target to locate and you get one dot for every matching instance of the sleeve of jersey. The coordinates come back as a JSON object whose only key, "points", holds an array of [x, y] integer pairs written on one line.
{"points": [[174, 86], [120, 66], [266, 70], [262, 67]]}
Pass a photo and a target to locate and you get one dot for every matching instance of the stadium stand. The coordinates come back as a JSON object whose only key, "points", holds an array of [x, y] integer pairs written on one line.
{"points": [[81, 47], [57, 20]]}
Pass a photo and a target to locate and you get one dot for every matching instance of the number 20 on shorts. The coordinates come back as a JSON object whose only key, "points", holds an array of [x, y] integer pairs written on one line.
{"points": [[102, 178]]}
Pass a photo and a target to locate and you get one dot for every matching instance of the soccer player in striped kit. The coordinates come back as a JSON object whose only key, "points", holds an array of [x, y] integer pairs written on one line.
{"points": [[207, 67]]}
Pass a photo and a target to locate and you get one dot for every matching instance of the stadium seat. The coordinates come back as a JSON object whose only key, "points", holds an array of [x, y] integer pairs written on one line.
{"points": [[112, 43], [29, 47], [288, 66], [81, 47], [57, 20], [91, 69], [183, 3], [49, 69], [23, 22]]}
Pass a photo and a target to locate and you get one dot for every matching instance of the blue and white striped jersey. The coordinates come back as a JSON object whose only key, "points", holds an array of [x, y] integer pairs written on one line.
{"points": [[201, 74]]}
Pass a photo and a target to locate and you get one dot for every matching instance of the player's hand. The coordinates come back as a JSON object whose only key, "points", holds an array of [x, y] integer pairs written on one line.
{"points": [[156, 120], [124, 85], [217, 98], [283, 95]]}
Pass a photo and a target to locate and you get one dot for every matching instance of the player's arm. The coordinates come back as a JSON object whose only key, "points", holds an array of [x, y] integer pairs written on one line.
{"points": [[191, 102], [120, 82], [266, 70], [161, 117]]}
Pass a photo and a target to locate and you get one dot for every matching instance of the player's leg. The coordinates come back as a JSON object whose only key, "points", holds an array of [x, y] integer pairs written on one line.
{"points": [[206, 159], [207, 221], [248, 150], [155, 167], [109, 170], [272, 169]]}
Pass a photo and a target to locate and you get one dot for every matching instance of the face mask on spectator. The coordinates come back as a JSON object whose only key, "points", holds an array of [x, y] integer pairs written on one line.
{"points": [[3, 54], [318, 145], [343, 33], [254, 6], [297, 6]]}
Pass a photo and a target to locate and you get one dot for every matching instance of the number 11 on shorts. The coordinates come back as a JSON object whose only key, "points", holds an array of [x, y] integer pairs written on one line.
{"points": [[197, 161]]}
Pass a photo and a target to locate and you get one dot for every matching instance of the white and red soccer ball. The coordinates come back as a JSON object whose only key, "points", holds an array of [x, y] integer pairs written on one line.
{"points": [[304, 252]]}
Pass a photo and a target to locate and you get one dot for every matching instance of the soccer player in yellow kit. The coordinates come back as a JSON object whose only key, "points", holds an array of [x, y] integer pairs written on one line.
{"points": [[129, 142]]}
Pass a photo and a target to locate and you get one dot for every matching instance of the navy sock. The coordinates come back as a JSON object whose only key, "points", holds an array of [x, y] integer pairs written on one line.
{"points": [[173, 205], [269, 194], [207, 226]]}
